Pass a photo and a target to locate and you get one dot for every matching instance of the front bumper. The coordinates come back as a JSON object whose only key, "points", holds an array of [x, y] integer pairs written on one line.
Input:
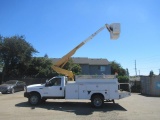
{"points": [[26, 94], [4, 90]]}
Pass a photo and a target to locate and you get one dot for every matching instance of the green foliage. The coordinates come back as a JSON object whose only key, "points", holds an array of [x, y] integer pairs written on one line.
{"points": [[123, 79], [75, 68], [69, 65], [40, 67], [15, 54], [122, 75], [15, 48], [116, 68], [151, 73], [46, 56], [1, 64]]}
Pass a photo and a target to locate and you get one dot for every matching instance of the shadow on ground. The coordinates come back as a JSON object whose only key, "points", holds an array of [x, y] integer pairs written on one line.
{"points": [[146, 95], [79, 108]]}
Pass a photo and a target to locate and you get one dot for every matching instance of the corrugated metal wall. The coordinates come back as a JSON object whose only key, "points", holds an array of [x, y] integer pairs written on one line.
{"points": [[150, 85]]}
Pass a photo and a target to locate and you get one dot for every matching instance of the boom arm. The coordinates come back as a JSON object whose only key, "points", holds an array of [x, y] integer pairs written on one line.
{"points": [[58, 67]]}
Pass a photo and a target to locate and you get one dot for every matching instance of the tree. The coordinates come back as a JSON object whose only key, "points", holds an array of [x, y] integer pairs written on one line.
{"points": [[46, 56], [123, 79], [122, 73], [15, 53], [75, 68], [151, 73], [116, 68], [1, 64], [40, 67], [127, 72]]}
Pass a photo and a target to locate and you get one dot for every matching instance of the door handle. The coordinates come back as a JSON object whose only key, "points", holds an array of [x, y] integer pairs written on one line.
{"points": [[60, 88]]}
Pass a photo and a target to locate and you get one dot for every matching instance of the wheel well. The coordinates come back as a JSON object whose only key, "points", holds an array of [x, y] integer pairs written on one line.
{"points": [[94, 94], [35, 92]]}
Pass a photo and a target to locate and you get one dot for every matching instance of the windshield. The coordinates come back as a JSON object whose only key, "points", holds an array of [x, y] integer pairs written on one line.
{"points": [[11, 82]]}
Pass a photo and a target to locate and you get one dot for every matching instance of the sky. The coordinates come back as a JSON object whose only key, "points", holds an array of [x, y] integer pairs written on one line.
{"points": [[54, 27]]}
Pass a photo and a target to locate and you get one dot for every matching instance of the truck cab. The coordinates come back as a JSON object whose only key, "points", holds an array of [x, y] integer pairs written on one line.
{"points": [[53, 88]]}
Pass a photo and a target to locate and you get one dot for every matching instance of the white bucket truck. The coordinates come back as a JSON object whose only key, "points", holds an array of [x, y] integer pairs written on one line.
{"points": [[97, 88], [91, 87]]}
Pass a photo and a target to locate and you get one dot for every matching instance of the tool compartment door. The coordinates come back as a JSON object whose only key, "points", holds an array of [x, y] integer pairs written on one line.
{"points": [[82, 91], [71, 91]]}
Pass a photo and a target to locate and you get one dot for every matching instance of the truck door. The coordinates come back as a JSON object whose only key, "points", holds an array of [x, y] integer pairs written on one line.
{"points": [[54, 88]]}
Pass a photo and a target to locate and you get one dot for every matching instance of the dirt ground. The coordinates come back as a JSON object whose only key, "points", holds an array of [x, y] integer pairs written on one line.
{"points": [[136, 107]]}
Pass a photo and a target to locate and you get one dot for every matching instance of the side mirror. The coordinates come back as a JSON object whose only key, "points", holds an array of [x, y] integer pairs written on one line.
{"points": [[47, 83]]}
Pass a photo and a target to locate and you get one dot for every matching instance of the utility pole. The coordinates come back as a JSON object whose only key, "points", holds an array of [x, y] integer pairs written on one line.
{"points": [[159, 71], [135, 68], [139, 72]]}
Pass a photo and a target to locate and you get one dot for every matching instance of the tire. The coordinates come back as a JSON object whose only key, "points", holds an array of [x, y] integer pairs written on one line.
{"points": [[12, 91], [97, 101], [34, 99]]}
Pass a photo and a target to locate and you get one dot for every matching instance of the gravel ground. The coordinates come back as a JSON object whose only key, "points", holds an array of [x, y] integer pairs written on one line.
{"points": [[135, 107]]}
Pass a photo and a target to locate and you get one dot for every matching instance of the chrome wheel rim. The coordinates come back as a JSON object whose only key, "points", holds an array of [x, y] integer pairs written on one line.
{"points": [[34, 99], [97, 102]]}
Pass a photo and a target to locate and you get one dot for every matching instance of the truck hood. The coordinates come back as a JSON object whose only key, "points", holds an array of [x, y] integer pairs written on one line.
{"points": [[36, 86]]}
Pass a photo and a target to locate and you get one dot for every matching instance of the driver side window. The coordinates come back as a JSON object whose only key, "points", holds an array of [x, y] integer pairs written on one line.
{"points": [[55, 82]]}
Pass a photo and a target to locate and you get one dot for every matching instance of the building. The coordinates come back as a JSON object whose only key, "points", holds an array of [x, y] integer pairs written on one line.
{"points": [[147, 85], [91, 66], [150, 85]]}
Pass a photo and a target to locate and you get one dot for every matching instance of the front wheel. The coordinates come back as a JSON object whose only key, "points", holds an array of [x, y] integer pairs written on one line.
{"points": [[34, 99], [12, 90], [97, 101]]}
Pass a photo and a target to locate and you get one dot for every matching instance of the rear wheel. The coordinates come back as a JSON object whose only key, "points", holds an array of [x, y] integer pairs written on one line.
{"points": [[34, 99], [97, 101]]}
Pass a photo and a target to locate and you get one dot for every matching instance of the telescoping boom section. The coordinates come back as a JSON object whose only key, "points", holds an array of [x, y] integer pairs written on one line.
{"points": [[114, 30]]}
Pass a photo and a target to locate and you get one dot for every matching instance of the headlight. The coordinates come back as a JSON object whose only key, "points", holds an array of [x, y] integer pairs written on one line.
{"points": [[10, 87]]}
